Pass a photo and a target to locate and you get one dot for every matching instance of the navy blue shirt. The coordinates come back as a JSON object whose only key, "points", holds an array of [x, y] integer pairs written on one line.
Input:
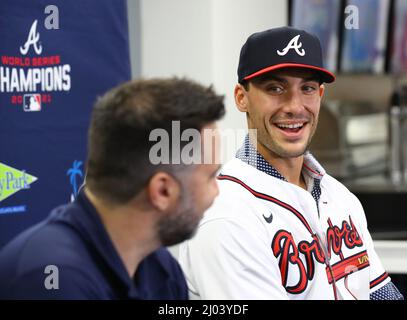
{"points": [[74, 240]]}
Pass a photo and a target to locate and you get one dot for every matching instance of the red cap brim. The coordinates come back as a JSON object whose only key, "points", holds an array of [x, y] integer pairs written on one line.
{"points": [[327, 76]]}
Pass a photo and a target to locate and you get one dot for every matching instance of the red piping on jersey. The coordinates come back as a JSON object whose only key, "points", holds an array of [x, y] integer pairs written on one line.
{"points": [[378, 280], [347, 266], [313, 171], [268, 198]]}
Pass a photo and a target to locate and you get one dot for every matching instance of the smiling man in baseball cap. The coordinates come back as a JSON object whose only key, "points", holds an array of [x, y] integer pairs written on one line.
{"points": [[281, 227]]}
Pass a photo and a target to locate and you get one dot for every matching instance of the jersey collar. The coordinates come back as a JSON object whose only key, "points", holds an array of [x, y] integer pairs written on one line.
{"points": [[311, 169]]}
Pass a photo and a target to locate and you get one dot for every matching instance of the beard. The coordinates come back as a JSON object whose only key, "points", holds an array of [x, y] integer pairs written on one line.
{"points": [[180, 225]]}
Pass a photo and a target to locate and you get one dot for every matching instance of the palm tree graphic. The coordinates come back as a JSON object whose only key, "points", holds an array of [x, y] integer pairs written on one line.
{"points": [[73, 173]]}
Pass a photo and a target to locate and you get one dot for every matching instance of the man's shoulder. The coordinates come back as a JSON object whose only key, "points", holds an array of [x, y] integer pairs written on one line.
{"points": [[46, 251], [236, 180], [51, 282], [47, 243], [340, 193], [331, 183], [237, 204]]}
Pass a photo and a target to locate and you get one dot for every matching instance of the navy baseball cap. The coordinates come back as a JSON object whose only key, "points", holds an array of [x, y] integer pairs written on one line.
{"points": [[277, 48]]}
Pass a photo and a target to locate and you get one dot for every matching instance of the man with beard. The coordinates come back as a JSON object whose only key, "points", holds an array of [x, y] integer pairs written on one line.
{"points": [[108, 243], [282, 228]]}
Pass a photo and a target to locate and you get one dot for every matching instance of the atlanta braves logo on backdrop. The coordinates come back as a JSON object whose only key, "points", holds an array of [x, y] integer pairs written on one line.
{"points": [[31, 80], [293, 44], [33, 38]]}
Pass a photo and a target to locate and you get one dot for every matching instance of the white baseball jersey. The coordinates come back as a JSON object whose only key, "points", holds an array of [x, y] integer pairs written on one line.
{"points": [[265, 238]]}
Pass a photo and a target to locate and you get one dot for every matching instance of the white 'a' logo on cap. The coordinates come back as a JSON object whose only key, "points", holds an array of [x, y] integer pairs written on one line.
{"points": [[293, 44]]}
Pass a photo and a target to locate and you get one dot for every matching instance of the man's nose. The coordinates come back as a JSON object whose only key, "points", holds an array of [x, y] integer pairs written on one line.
{"points": [[293, 102]]}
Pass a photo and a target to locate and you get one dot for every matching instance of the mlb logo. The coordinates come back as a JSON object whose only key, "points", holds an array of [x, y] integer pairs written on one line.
{"points": [[32, 102]]}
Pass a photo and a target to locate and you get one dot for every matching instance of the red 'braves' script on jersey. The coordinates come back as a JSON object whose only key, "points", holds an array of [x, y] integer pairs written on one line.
{"points": [[285, 248]]}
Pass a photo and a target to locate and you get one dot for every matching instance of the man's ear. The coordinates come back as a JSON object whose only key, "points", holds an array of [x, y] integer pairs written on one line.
{"points": [[163, 191], [241, 98], [321, 90]]}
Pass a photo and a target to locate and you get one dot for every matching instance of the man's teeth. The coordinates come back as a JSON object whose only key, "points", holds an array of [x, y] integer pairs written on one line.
{"points": [[290, 126]]}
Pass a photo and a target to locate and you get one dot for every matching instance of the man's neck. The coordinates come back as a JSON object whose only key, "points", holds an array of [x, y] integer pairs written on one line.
{"points": [[289, 168], [130, 231]]}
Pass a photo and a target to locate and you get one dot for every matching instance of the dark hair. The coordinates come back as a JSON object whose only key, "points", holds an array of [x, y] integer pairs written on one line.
{"points": [[118, 164]]}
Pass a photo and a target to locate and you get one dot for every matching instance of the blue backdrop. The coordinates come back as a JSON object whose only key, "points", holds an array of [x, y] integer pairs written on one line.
{"points": [[54, 62]]}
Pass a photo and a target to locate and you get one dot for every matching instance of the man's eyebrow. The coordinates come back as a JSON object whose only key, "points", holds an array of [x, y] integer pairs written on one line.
{"points": [[273, 78], [311, 78]]}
